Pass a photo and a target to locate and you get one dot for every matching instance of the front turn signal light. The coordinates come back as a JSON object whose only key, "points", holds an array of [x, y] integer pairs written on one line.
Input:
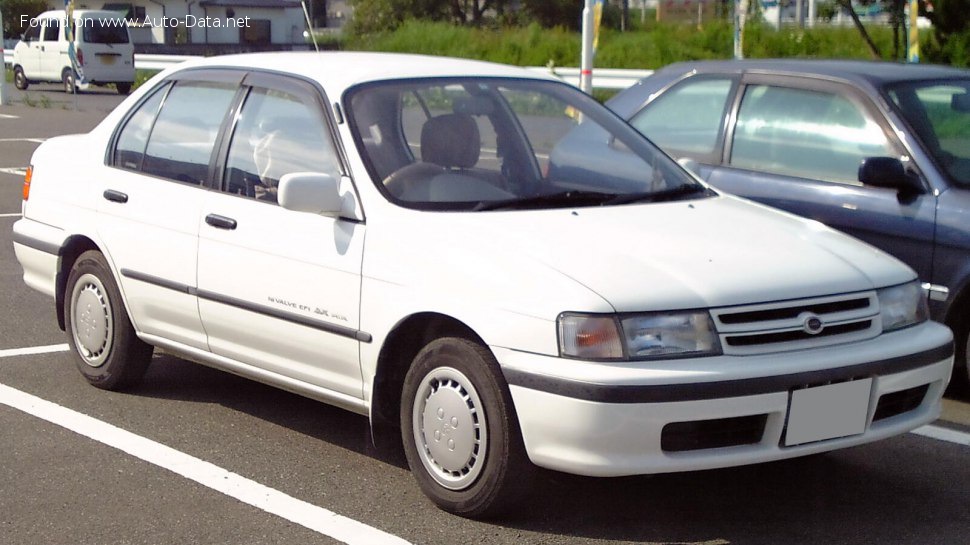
{"points": [[27, 178]]}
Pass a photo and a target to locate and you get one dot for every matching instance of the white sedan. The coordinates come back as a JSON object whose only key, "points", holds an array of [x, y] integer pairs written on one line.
{"points": [[400, 236]]}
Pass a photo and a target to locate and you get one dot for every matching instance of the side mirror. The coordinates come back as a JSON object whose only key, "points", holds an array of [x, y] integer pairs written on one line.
{"points": [[890, 173], [960, 102], [311, 192]]}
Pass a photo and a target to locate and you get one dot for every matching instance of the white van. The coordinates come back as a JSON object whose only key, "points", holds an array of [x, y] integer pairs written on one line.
{"points": [[103, 47]]}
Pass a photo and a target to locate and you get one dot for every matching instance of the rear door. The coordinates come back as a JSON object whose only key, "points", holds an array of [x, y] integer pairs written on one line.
{"points": [[107, 48], [152, 197], [278, 289], [50, 50], [797, 143]]}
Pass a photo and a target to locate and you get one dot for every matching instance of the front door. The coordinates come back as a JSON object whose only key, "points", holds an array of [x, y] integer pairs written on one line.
{"points": [[278, 289]]}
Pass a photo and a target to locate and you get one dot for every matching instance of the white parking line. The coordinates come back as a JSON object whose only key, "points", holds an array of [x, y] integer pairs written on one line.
{"points": [[10, 352], [8, 116], [16, 171], [944, 434], [235, 486], [34, 140], [17, 215]]}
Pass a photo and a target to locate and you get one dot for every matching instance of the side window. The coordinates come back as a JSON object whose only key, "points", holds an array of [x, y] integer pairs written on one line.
{"points": [[182, 140], [33, 32], [52, 30], [130, 147], [277, 133], [809, 134], [687, 118]]}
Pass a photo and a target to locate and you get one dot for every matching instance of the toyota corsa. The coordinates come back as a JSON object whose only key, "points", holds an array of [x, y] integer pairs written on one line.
{"points": [[397, 236]]}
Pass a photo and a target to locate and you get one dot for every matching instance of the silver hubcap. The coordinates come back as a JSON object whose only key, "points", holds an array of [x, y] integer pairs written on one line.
{"points": [[91, 320], [449, 428]]}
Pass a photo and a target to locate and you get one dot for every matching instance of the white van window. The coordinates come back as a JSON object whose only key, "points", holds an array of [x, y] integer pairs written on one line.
{"points": [[52, 30], [105, 31]]}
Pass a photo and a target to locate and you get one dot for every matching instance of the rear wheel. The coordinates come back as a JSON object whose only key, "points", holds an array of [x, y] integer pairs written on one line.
{"points": [[123, 88], [107, 351], [20, 79], [68, 79], [460, 431]]}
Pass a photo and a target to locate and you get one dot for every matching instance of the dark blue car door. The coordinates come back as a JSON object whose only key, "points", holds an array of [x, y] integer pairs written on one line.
{"points": [[796, 144]]}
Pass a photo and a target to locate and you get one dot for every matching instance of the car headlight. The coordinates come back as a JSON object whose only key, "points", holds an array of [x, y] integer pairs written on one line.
{"points": [[902, 306], [640, 336]]}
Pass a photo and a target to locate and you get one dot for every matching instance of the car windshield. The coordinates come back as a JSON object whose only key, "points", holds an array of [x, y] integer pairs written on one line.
{"points": [[939, 112], [104, 31], [502, 144]]}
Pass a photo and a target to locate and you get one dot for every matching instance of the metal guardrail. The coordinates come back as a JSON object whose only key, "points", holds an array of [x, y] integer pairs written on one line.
{"points": [[603, 78]]}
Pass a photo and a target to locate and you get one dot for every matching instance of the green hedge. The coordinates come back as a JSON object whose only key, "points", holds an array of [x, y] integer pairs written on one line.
{"points": [[650, 48]]}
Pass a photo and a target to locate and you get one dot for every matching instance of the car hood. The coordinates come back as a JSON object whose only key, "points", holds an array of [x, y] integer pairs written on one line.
{"points": [[704, 253]]}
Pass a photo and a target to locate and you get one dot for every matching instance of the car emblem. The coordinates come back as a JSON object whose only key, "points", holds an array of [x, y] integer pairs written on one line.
{"points": [[812, 324]]}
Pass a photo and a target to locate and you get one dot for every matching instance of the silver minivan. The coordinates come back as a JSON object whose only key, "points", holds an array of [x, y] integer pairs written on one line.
{"points": [[103, 48]]}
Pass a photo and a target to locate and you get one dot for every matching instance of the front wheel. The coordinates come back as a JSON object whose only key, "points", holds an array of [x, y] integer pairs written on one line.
{"points": [[108, 352], [20, 79], [460, 431]]}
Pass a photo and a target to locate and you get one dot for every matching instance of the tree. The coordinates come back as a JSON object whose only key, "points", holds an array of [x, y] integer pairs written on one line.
{"points": [[847, 6], [18, 13], [553, 13]]}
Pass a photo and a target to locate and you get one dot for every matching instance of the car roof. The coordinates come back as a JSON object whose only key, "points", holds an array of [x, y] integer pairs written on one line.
{"points": [[82, 14], [337, 71], [875, 73]]}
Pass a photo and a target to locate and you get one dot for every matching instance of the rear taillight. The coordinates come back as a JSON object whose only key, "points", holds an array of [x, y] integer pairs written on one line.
{"points": [[27, 178], [80, 57]]}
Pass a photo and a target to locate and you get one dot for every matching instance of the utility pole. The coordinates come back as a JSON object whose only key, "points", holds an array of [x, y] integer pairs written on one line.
{"points": [[3, 80], [586, 63]]}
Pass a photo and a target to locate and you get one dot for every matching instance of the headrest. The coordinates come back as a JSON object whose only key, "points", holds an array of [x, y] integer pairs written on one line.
{"points": [[451, 140]]}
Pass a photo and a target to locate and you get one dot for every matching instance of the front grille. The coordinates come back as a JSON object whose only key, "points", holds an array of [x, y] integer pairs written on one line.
{"points": [[793, 325], [897, 403], [707, 434]]}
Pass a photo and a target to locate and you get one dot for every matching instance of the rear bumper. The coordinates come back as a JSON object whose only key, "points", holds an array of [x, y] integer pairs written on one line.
{"points": [[37, 247], [610, 420]]}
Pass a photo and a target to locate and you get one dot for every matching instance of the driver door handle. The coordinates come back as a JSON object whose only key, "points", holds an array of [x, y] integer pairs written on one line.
{"points": [[220, 222]]}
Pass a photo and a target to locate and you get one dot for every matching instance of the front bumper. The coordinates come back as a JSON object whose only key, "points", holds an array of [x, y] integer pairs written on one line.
{"points": [[691, 414]]}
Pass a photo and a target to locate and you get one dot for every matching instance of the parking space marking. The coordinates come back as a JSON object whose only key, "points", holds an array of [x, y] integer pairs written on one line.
{"points": [[262, 497], [944, 434], [8, 116], [34, 350], [16, 171], [17, 215], [34, 140]]}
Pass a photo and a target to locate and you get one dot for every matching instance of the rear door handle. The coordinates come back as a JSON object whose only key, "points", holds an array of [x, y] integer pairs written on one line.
{"points": [[220, 222], [115, 196]]}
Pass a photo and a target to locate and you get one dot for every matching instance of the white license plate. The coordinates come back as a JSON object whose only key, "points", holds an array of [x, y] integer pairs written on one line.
{"points": [[828, 412], [108, 59]]}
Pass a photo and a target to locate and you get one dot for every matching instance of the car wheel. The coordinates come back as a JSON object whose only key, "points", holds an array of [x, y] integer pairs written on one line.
{"points": [[123, 88], [108, 352], [20, 79], [460, 431], [67, 78]]}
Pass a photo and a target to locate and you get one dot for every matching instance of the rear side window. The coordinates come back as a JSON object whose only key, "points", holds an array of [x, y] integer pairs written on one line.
{"points": [[130, 149], [104, 31], [52, 30], [181, 137], [688, 118]]}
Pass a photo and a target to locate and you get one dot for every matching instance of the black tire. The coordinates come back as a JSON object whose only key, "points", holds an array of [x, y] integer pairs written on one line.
{"points": [[20, 79], [960, 382], [473, 462], [69, 80], [123, 88], [107, 351]]}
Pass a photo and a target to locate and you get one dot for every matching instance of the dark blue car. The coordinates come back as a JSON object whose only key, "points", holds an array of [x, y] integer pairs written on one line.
{"points": [[878, 150]]}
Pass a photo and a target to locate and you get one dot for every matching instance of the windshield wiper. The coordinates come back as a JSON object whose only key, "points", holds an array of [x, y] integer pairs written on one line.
{"points": [[659, 196], [552, 200]]}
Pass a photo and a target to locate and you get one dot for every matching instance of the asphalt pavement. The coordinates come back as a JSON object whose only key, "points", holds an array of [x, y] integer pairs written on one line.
{"points": [[93, 478]]}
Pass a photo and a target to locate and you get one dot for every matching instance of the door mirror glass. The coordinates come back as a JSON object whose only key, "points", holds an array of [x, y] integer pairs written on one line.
{"points": [[312, 192]]}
